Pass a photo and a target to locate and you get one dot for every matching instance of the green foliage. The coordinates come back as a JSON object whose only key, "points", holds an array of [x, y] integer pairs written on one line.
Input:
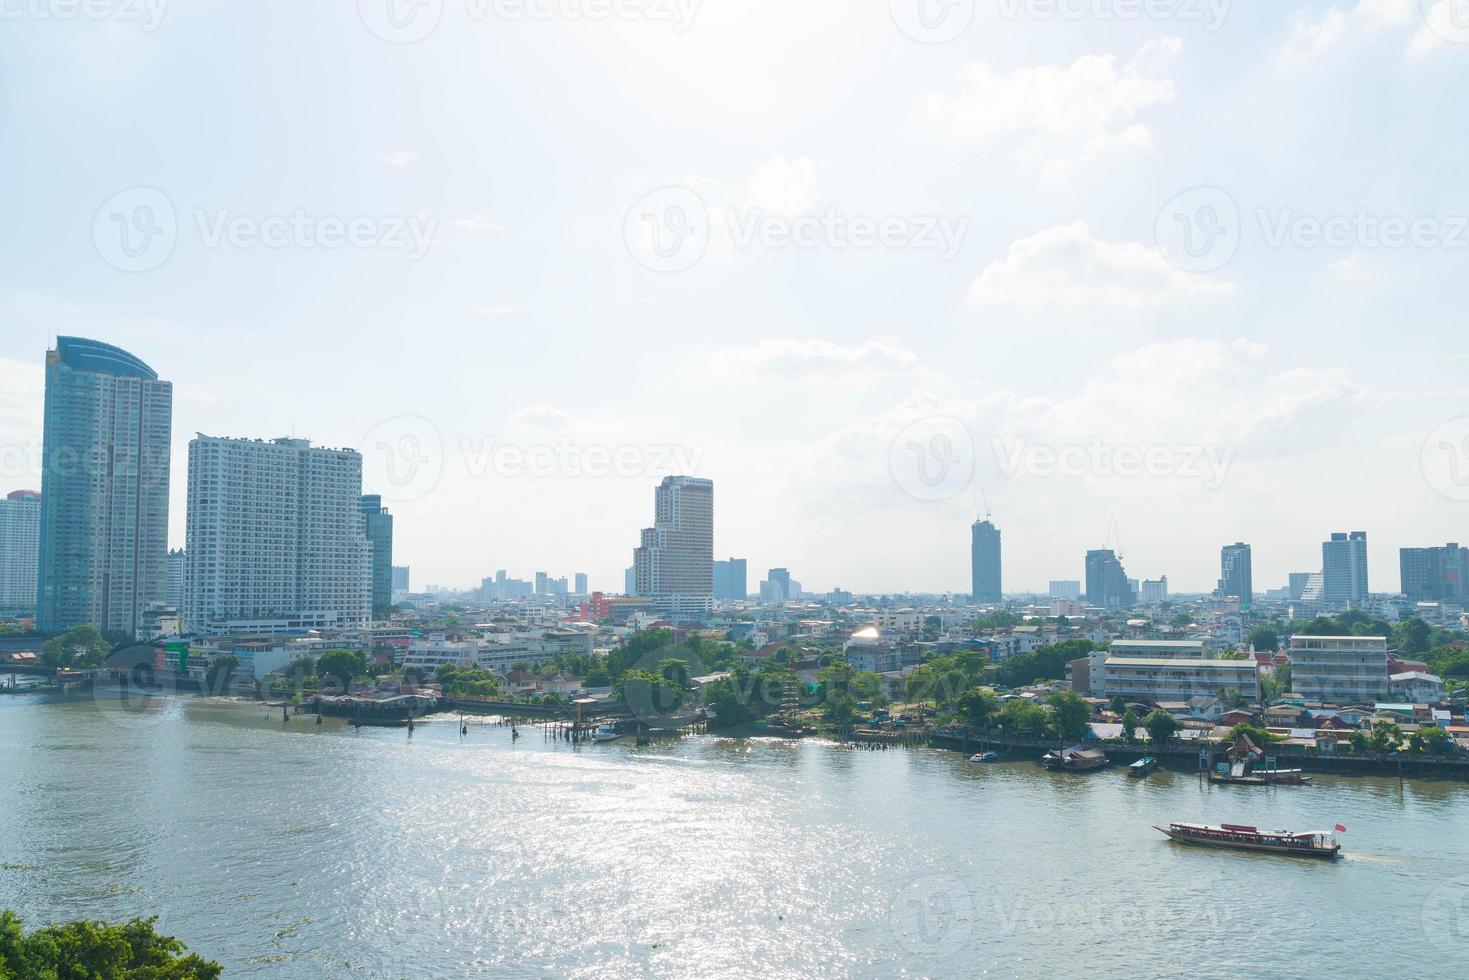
{"points": [[1435, 739], [1411, 637], [1000, 619], [1130, 724], [81, 647], [338, 668], [464, 682], [842, 687], [746, 695], [977, 707], [1071, 712], [1257, 734], [1021, 717], [97, 951], [1046, 664], [648, 693], [1265, 637], [217, 679], [1161, 727]]}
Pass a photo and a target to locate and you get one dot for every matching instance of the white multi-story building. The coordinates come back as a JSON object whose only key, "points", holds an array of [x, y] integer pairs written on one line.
{"points": [[1143, 650], [1177, 678], [1155, 591], [275, 537], [436, 650], [1339, 669], [674, 562], [20, 543]]}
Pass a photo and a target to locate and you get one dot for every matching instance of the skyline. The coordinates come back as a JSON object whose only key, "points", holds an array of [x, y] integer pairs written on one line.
{"points": [[1056, 309]]}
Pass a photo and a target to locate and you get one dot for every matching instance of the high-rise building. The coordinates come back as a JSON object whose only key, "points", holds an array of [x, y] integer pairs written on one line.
{"points": [[543, 583], [984, 562], [1106, 581], [1435, 574], [731, 580], [674, 564], [20, 545], [1344, 566], [1065, 589], [377, 524], [777, 587], [1298, 583], [178, 566], [1154, 591], [104, 488], [630, 580], [1235, 576], [400, 578], [276, 539], [581, 583]]}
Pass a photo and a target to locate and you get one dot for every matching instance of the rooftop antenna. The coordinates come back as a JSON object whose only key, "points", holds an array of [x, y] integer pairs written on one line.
{"points": [[978, 497]]}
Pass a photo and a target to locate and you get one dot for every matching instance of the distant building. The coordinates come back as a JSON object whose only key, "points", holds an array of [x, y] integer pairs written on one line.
{"points": [[1065, 589], [400, 578], [378, 526], [1155, 591], [630, 581], [731, 581], [20, 545], [1106, 580], [581, 583], [1235, 575], [777, 587], [276, 540], [178, 567], [1298, 583], [984, 561], [103, 554], [1344, 567], [1436, 574], [1339, 669], [1177, 679], [674, 563]]}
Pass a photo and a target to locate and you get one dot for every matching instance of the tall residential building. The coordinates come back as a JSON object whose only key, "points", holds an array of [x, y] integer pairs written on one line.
{"points": [[1235, 576], [178, 565], [276, 540], [777, 587], [731, 580], [1344, 566], [400, 578], [630, 580], [674, 564], [581, 583], [1298, 583], [1154, 591], [104, 488], [1106, 581], [1065, 589], [984, 562], [20, 546], [377, 524], [1435, 574]]}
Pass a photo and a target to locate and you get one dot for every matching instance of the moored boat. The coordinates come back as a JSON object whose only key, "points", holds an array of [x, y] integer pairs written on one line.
{"points": [[984, 757], [1142, 767], [1310, 843], [606, 732], [1075, 759]]}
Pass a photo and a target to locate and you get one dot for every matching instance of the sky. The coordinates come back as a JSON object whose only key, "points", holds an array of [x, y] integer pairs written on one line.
{"points": [[1150, 274]]}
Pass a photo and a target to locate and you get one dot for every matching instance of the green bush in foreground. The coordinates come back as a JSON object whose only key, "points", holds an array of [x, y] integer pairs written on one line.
{"points": [[96, 951]]}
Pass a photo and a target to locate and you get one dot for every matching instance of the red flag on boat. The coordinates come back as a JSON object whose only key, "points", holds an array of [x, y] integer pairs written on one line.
{"points": [[1340, 829]]}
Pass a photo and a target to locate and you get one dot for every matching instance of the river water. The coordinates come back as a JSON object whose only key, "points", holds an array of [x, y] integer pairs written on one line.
{"points": [[295, 850]]}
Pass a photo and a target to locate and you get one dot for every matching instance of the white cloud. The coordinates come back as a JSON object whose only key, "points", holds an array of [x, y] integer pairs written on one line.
{"points": [[817, 357], [476, 224], [782, 185], [1061, 115], [1065, 269], [397, 158], [1316, 36], [1358, 272]]}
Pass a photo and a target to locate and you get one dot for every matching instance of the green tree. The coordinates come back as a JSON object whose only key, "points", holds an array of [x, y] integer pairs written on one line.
{"points": [[978, 707], [97, 951], [1071, 713], [339, 667], [1130, 725], [675, 671], [1118, 706], [1265, 637], [1411, 637], [1436, 739], [1021, 717], [217, 678], [1161, 727], [1384, 738], [82, 647]]}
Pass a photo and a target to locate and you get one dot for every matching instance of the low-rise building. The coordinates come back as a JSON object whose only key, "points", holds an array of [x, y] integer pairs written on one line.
{"points": [[1177, 678], [1339, 669]]}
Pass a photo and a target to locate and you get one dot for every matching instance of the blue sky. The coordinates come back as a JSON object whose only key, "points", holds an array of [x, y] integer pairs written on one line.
{"points": [[1061, 321]]}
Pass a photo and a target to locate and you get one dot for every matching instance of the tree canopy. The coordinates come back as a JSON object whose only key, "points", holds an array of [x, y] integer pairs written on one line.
{"points": [[97, 951]]}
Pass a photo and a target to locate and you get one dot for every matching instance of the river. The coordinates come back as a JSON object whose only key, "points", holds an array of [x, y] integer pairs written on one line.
{"points": [[296, 850]]}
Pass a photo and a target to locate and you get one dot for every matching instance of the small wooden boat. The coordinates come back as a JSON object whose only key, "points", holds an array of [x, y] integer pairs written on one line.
{"points": [[1074, 759], [1142, 767], [1311, 843], [606, 732], [984, 757], [1242, 774]]}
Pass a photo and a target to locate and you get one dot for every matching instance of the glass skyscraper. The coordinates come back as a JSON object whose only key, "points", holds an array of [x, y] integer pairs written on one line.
{"points": [[378, 524], [104, 488], [984, 562]]}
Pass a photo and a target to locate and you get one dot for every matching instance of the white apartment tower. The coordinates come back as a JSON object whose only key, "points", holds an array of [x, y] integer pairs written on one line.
{"points": [[20, 549], [674, 564], [275, 537]]}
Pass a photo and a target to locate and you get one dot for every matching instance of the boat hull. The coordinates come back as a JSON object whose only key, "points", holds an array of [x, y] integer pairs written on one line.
{"points": [[1240, 845]]}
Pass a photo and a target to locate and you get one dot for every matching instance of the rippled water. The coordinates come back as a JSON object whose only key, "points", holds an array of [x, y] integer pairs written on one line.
{"points": [[304, 851]]}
